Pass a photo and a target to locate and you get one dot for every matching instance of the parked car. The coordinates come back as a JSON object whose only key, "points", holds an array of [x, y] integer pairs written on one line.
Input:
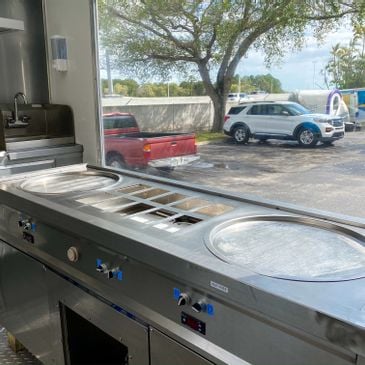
{"points": [[127, 146], [281, 120], [238, 97]]}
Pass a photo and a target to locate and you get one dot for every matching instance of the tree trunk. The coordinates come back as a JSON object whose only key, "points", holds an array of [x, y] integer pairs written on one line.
{"points": [[217, 93], [219, 104]]}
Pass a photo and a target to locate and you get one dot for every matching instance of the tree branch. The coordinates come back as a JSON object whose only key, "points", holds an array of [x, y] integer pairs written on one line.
{"points": [[168, 36]]}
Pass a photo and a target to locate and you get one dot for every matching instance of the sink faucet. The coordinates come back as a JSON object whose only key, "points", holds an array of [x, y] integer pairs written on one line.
{"points": [[15, 122], [17, 95]]}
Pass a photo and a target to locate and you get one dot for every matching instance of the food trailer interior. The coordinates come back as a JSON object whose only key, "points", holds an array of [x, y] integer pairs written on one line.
{"points": [[99, 266]]}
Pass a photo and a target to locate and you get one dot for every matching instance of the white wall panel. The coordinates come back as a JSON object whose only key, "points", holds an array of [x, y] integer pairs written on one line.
{"points": [[77, 86]]}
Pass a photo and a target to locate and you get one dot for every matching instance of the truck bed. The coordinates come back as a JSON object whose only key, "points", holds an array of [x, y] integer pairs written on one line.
{"points": [[140, 149]]}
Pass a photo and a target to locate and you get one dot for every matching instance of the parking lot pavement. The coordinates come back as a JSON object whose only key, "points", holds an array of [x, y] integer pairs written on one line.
{"points": [[325, 177]]}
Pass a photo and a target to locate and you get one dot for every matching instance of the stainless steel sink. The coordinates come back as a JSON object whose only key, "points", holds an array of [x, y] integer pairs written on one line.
{"points": [[290, 247]]}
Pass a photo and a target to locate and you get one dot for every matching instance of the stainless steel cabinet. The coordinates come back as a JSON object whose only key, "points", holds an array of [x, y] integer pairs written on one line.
{"points": [[165, 351], [24, 306], [61, 323], [95, 331]]}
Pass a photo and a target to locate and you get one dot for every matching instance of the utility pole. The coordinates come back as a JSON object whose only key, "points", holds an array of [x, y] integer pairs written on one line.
{"points": [[109, 73], [239, 84]]}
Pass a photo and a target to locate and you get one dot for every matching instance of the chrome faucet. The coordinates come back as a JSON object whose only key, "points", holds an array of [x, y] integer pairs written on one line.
{"points": [[17, 95], [15, 122]]}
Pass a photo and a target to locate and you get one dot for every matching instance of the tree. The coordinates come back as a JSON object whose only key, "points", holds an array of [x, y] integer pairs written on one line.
{"points": [[120, 89], [346, 67], [131, 85], [251, 83], [212, 36], [146, 90]]}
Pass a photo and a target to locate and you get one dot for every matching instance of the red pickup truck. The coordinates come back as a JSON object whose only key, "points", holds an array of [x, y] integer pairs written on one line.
{"points": [[126, 146]]}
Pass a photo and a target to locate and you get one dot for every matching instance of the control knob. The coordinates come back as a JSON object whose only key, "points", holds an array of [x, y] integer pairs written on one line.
{"points": [[102, 268], [73, 254], [183, 299], [199, 306], [110, 273], [25, 224]]}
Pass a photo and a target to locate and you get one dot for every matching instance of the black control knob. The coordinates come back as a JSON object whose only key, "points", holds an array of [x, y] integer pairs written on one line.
{"points": [[112, 273], [24, 223], [199, 307], [184, 299], [102, 268]]}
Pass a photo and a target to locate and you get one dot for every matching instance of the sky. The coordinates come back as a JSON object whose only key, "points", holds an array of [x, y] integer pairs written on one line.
{"points": [[299, 70]]}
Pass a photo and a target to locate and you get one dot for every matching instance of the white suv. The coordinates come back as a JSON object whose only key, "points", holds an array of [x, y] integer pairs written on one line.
{"points": [[281, 120]]}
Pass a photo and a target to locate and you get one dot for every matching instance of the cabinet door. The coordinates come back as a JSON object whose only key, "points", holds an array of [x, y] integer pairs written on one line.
{"points": [[24, 307], [91, 328], [165, 350]]}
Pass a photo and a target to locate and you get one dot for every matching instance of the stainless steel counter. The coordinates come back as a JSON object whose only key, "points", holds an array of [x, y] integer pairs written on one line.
{"points": [[231, 279]]}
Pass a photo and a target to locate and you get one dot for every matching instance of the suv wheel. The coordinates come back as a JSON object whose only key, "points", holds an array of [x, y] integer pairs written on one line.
{"points": [[307, 138], [241, 134]]}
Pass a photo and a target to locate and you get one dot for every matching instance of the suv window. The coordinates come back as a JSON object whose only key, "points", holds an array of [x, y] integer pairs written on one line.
{"points": [[126, 121], [261, 109], [275, 109], [237, 109]]}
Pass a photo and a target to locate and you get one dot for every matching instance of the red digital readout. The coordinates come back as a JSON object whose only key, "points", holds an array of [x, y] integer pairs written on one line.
{"points": [[193, 323]]}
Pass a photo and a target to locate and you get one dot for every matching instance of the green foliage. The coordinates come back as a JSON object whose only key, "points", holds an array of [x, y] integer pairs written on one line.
{"points": [[346, 67], [251, 83], [131, 88], [160, 37]]}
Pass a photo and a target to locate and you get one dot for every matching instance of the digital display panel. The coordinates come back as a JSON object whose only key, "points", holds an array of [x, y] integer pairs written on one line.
{"points": [[193, 323]]}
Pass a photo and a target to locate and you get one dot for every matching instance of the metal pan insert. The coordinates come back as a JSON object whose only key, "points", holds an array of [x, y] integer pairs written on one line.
{"points": [[70, 182], [290, 247]]}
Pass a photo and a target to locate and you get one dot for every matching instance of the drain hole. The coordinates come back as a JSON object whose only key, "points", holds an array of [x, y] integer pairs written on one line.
{"points": [[136, 208], [161, 213], [185, 220]]}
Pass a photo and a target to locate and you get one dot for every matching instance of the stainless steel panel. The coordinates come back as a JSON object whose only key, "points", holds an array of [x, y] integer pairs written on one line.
{"points": [[164, 350], [55, 152], [22, 54], [24, 167], [37, 143], [290, 247], [256, 318], [9, 25], [132, 334], [233, 334], [24, 310]]}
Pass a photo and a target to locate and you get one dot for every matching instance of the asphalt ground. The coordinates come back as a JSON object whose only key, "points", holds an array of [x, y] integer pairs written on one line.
{"points": [[330, 178]]}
